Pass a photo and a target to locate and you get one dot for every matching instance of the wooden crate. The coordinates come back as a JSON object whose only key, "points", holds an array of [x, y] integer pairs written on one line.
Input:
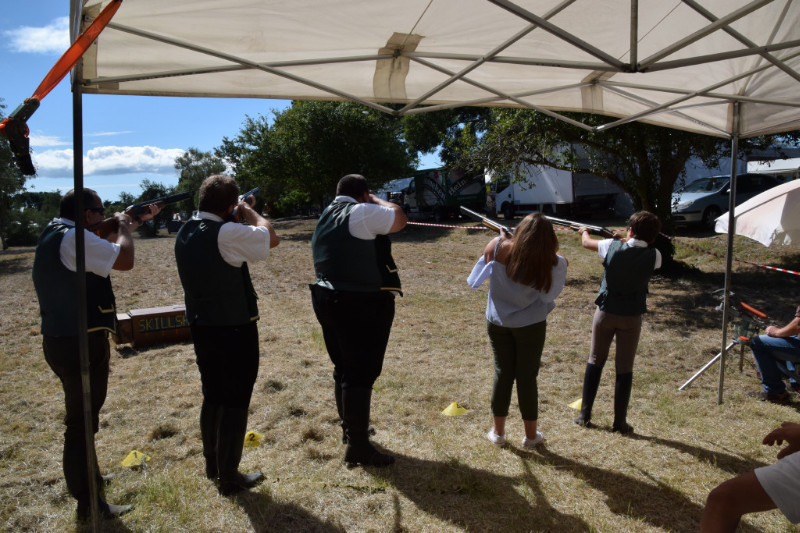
{"points": [[155, 325]]}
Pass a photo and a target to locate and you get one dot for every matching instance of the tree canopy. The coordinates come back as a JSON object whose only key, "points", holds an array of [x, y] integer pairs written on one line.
{"points": [[11, 182], [302, 153], [645, 161], [193, 167]]}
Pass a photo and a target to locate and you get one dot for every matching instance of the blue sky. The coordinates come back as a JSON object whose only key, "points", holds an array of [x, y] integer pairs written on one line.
{"points": [[126, 138]]}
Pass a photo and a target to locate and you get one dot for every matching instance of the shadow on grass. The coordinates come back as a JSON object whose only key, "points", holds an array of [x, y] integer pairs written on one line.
{"points": [[15, 263], [111, 526], [724, 461], [655, 503], [265, 514], [475, 500]]}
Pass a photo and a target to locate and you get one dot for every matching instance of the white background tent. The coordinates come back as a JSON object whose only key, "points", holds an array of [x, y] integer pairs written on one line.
{"points": [[728, 68]]}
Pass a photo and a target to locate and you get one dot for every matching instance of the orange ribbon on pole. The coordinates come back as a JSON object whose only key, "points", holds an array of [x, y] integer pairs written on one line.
{"points": [[15, 127]]}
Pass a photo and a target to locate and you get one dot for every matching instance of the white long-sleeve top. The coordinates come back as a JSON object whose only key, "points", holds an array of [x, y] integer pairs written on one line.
{"points": [[512, 304]]}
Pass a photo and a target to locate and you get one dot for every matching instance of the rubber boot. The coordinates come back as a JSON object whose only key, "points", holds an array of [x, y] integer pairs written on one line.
{"points": [[359, 451], [230, 440], [622, 397], [209, 427], [591, 381]]}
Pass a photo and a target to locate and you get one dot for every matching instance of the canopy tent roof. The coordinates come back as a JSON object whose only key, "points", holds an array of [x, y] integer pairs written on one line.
{"points": [[676, 63]]}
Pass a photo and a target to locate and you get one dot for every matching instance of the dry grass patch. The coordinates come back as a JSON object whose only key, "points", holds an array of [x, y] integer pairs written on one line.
{"points": [[447, 476]]}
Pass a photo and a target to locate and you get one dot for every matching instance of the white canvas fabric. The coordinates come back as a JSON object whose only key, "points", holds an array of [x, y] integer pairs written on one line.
{"points": [[689, 62], [772, 217]]}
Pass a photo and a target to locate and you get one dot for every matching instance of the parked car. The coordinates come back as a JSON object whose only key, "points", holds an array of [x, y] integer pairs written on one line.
{"points": [[703, 200]]}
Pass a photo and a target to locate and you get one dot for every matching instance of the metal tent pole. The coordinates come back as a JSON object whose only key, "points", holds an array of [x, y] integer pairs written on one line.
{"points": [[729, 248], [80, 287]]}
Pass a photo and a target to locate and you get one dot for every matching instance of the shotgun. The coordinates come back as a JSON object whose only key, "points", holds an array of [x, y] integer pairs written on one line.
{"points": [[236, 216], [110, 225], [593, 230], [486, 222]]}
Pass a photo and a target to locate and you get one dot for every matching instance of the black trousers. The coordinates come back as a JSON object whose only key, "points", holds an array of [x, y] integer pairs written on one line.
{"points": [[62, 354], [356, 327], [227, 357]]}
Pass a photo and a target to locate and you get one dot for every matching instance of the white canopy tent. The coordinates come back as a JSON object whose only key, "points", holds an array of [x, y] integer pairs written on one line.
{"points": [[728, 68], [676, 63]]}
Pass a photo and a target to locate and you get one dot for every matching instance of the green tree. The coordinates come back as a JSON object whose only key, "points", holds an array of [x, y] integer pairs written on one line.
{"points": [[30, 212], [11, 182], [194, 166], [645, 161], [308, 147]]}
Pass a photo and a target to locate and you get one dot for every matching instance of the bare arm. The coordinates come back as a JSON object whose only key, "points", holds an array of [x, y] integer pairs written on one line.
{"points": [[124, 238], [790, 329], [254, 219], [586, 240], [400, 218]]}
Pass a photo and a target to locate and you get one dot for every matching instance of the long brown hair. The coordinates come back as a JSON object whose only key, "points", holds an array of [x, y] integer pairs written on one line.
{"points": [[533, 252]]}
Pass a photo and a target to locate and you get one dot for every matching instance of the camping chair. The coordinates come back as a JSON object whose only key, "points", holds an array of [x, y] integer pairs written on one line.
{"points": [[746, 321]]}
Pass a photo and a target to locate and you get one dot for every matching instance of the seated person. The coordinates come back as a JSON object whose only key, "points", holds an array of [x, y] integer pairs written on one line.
{"points": [[777, 348], [762, 489]]}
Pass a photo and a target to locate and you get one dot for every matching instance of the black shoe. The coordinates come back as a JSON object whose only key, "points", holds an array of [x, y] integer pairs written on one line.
{"points": [[780, 399], [108, 511], [585, 422], [366, 455], [239, 482], [622, 427]]}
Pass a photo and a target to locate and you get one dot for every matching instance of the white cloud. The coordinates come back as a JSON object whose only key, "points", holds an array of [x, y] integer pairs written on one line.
{"points": [[108, 160], [107, 133], [53, 38], [47, 140]]}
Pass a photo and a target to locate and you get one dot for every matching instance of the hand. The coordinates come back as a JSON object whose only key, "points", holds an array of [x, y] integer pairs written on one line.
{"points": [[772, 331], [505, 234], [789, 432], [152, 210], [581, 229]]}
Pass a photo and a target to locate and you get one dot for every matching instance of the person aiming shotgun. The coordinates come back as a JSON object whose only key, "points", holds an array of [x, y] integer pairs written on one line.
{"points": [[55, 280], [213, 254], [628, 265]]}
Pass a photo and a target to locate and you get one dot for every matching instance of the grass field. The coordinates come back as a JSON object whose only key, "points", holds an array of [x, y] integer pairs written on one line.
{"points": [[447, 476]]}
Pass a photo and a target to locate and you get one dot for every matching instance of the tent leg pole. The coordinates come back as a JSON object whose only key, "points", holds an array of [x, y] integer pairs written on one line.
{"points": [[729, 247], [704, 368], [80, 268]]}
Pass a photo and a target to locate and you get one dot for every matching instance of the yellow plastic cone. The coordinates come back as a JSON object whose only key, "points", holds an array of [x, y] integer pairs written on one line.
{"points": [[252, 439], [454, 410], [135, 458], [577, 404]]}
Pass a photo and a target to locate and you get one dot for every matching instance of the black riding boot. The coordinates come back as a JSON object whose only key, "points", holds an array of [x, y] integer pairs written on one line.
{"points": [[622, 397], [356, 416], [337, 392], [591, 381], [230, 439], [209, 428]]}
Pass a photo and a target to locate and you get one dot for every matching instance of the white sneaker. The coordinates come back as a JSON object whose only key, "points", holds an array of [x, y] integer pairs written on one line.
{"points": [[530, 444], [494, 438]]}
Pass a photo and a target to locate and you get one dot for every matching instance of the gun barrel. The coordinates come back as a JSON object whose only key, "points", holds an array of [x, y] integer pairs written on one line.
{"points": [[595, 230], [138, 209], [491, 224], [248, 194]]}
